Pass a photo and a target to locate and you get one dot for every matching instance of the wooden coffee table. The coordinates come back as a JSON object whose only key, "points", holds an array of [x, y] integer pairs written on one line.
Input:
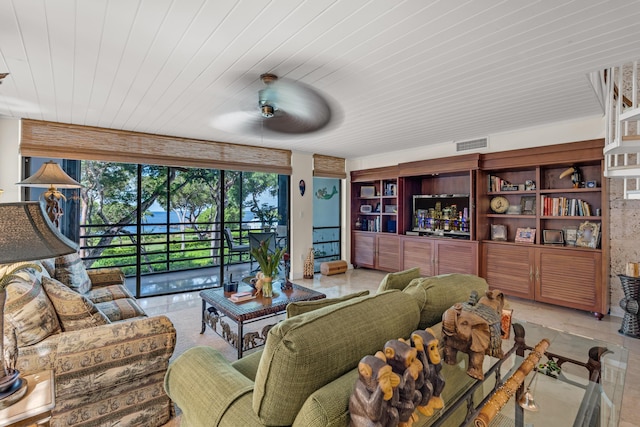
{"points": [[249, 311]]}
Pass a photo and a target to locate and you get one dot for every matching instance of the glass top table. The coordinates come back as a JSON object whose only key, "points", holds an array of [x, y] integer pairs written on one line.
{"points": [[586, 392]]}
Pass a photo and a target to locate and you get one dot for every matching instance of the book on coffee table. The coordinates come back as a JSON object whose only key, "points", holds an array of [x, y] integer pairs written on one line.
{"points": [[242, 296]]}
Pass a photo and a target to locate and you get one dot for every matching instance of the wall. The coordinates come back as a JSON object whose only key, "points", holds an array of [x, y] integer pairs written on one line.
{"points": [[624, 217], [301, 215]]}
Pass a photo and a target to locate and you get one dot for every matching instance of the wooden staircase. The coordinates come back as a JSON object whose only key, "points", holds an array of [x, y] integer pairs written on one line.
{"points": [[619, 89]]}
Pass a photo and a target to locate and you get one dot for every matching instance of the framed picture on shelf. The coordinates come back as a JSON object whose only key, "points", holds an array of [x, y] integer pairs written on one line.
{"points": [[588, 235], [528, 205], [390, 208], [570, 235], [367, 191], [390, 190], [553, 237], [525, 235], [498, 232]]}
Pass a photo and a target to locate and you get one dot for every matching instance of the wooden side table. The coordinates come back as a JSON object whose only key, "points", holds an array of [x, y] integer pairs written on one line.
{"points": [[35, 406]]}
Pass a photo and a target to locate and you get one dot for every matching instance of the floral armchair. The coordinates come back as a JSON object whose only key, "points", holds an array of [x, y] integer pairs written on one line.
{"points": [[109, 359]]}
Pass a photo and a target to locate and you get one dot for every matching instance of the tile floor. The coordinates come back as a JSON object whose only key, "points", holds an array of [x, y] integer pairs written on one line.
{"points": [[573, 321]]}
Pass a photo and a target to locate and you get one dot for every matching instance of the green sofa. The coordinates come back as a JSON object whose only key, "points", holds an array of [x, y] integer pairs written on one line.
{"points": [[306, 372]]}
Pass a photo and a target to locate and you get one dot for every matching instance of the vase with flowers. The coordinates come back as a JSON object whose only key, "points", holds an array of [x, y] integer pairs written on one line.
{"points": [[268, 262]]}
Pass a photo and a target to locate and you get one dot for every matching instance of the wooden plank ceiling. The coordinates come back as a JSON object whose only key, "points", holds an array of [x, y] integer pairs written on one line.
{"points": [[399, 74]]}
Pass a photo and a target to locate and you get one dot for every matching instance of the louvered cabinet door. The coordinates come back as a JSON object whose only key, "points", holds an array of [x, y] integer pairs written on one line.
{"points": [[570, 278], [387, 252], [363, 249], [418, 252], [510, 268]]}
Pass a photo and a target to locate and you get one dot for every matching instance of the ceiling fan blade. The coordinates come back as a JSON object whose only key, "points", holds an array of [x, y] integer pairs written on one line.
{"points": [[297, 109], [302, 109], [239, 122]]}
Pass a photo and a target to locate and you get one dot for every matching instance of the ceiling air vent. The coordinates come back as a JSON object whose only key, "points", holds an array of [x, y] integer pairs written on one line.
{"points": [[472, 144]]}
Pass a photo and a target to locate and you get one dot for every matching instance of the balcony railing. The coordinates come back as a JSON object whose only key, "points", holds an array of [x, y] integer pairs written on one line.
{"points": [[161, 247]]}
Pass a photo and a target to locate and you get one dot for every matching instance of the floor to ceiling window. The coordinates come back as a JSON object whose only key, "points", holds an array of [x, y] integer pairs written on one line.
{"points": [[155, 220]]}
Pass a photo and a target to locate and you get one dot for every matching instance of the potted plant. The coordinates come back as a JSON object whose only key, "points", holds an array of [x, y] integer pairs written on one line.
{"points": [[268, 263]]}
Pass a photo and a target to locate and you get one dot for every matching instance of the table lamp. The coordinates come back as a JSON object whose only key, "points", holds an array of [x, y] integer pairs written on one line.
{"points": [[52, 176], [25, 235]]}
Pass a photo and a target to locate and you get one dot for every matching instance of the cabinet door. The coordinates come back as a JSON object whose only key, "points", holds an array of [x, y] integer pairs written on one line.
{"points": [[456, 257], [418, 252], [364, 246], [569, 278], [509, 268], [388, 252]]}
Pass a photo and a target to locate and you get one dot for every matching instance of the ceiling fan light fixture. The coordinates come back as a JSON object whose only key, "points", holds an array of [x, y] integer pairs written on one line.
{"points": [[267, 111]]}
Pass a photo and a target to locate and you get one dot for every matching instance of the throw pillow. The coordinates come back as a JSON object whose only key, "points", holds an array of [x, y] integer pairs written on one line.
{"points": [[108, 293], [398, 280], [29, 312], [437, 293], [120, 309], [26, 273], [75, 311], [70, 271], [300, 307], [49, 264]]}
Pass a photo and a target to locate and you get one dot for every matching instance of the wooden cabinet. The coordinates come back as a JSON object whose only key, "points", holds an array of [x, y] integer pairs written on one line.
{"points": [[439, 256], [378, 251], [561, 276], [555, 193]]}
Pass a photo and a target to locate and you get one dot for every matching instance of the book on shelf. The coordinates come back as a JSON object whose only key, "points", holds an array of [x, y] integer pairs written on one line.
{"points": [[563, 206], [242, 296]]}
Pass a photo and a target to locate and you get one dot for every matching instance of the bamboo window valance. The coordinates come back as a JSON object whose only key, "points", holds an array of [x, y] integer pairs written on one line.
{"points": [[66, 141], [328, 167]]}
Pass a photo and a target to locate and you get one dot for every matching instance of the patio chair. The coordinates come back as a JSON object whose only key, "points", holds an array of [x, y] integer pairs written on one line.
{"points": [[234, 247]]}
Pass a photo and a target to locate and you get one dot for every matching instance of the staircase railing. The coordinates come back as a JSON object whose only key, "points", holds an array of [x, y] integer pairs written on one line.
{"points": [[622, 124]]}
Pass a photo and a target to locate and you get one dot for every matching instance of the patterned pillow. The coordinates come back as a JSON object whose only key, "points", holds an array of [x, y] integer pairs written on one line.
{"points": [[49, 264], [108, 293], [70, 271], [26, 273], [75, 311], [29, 311], [120, 309]]}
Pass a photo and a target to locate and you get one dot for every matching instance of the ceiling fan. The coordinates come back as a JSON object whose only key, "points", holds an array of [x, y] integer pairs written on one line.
{"points": [[283, 107]]}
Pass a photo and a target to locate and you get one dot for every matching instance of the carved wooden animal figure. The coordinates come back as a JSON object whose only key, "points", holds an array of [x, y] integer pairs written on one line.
{"points": [[404, 362], [249, 340], [475, 330], [428, 349], [370, 404]]}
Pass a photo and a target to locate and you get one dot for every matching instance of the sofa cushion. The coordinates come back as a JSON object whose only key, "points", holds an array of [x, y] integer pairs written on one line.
{"points": [[398, 280], [438, 293], [74, 310], [306, 352], [301, 307], [71, 271], [106, 276], [120, 309], [29, 312], [108, 293]]}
